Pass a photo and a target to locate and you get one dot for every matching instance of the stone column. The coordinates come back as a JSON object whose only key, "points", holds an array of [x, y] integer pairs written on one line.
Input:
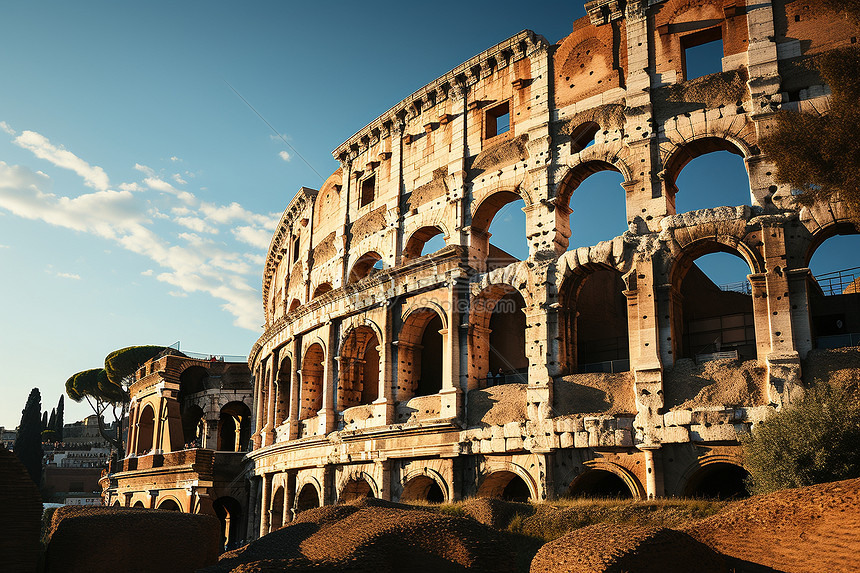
{"points": [[252, 508], [260, 401], [269, 428], [451, 393], [131, 445], [328, 415], [295, 390], [653, 470], [265, 509], [645, 353], [799, 300], [387, 368]]}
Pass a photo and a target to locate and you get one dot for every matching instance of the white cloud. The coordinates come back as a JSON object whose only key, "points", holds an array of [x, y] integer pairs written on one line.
{"points": [[178, 294], [259, 238], [42, 148], [284, 155], [196, 224], [174, 159], [178, 178], [131, 187], [5, 127], [147, 273], [69, 276]]}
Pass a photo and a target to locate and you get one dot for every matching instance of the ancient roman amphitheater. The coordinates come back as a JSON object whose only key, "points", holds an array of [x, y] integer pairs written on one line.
{"points": [[619, 368]]}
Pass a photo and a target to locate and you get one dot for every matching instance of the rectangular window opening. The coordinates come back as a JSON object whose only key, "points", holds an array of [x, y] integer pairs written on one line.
{"points": [[702, 53], [498, 120], [296, 250], [368, 188]]}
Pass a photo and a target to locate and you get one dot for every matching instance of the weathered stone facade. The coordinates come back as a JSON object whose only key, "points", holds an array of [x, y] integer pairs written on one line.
{"points": [[377, 371], [189, 429]]}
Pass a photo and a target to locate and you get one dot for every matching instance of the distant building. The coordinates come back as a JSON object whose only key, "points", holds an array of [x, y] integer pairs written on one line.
{"points": [[7, 438], [86, 432]]}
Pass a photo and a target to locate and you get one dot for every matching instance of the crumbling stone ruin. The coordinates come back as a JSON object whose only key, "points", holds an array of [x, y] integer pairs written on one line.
{"points": [[189, 429], [389, 372]]}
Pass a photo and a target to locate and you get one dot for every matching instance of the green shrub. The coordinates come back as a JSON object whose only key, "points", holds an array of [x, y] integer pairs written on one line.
{"points": [[814, 440]]}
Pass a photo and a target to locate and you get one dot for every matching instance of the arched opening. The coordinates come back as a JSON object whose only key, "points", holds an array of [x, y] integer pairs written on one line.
{"points": [[498, 337], [169, 505], [234, 427], [582, 136], [422, 488], [145, 430], [312, 382], [192, 380], [193, 425], [277, 520], [713, 314], [593, 321], [419, 350], [424, 241], [719, 480], [834, 288], [322, 289], [294, 305], [365, 266], [308, 498], [505, 485], [598, 204], [138, 505], [500, 214], [359, 368], [715, 177], [355, 489], [282, 397], [594, 483], [117, 504], [229, 513]]}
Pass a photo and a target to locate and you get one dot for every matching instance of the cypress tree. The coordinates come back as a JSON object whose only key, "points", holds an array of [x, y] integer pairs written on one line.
{"points": [[44, 417], [52, 420], [28, 443], [58, 428]]}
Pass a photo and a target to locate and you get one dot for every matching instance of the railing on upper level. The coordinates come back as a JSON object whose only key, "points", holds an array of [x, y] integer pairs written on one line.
{"points": [[839, 282]]}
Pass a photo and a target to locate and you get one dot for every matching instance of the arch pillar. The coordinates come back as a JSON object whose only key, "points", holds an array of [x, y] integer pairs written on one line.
{"points": [[293, 423], [645, 350], [265, 503], [260, 395], [654, 484], [269, 381], [800, 313], [452, 362], [327, 416]]}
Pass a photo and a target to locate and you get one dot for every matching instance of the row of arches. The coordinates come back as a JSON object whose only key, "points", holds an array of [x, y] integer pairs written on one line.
{"points": [[719, 480], [232, 430]]}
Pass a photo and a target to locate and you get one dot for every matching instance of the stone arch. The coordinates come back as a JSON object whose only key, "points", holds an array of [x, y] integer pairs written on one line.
{"points": [[420, 347], [424, 484], [193, 378], [582, 135], [593, 319], [193, 424], [721, 316], [684, 152], [169, 503], [494, 483], [309, 495], [589, 478], [229, 512], [829, 230], [363, 266], [313, 369], [321, 289], [145, 430], [498, 308], [482, 215], [359, 372], [419, 237], [283, 382], [356, 485], [138, 504], [277, 508], [693, 480], [294, 305], [234, 427]]}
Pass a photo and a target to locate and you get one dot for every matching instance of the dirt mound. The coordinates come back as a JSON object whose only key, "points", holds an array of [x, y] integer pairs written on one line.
{"points": [[810, 529], [839, 368], [369, 537], [108, 539], [594, 393], [615, 548], [496, 513], [497, 405], [725, 383], [20, 516]]}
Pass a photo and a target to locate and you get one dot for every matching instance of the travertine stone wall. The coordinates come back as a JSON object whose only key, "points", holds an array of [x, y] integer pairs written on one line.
{"points": [[348, 259]]}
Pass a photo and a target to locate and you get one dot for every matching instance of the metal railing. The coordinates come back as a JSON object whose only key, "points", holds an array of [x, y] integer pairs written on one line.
{"points": [[838, 282], [837, 340], [606, 367], [743, 287]]}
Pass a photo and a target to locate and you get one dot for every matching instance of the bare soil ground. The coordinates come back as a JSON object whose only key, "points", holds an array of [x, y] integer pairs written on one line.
{"points": [[801, 530]]}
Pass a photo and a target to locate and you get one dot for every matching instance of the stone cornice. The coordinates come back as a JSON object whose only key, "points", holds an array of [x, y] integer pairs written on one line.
{"points": [[299, 203], [460, 78]]}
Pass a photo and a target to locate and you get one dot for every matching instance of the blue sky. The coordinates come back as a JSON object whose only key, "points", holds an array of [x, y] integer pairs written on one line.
{"points": [[138, 192]]}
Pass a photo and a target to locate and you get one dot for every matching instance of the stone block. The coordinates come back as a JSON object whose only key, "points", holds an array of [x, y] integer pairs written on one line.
{"points": [[715, 433], [513, 444], [565, 440], [678, 418], [580, 440], [512, 430], [623, 438]]}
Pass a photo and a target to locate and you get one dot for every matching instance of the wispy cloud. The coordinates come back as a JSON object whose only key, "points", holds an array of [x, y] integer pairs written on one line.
{"points": [[42, 148], [5, 127], [180, 244], [74, 276]]}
